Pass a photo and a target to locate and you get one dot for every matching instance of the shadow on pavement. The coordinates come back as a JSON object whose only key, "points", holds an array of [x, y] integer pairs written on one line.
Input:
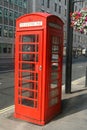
{"points": [[73, 105]]}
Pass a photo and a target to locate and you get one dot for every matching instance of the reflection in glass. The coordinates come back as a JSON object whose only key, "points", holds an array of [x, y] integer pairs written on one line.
{"points": [[29, 48], [55, 49], [54, 75], [30, 38], [28, 94], [30, 76], [54, 84], [55, 40], [28, 85], [28, 66], [27, 102], [30, 57], [53, 92], [55, 58], [53, 101], [55, 67]]}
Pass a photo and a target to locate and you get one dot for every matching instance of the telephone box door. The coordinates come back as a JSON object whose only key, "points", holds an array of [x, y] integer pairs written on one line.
{"points": [[28, 74]]}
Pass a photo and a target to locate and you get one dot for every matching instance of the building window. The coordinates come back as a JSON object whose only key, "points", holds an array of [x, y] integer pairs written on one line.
{"points": [[42, 2], [5, 16], [11, 18], [11, 1], [1, 14], [48, 3], [85, 4], [65, 12], [59, 9], [0, 49], [5, 48], [16, 2], [0, 11], [10, 32], [5, 31], [15, 16], [20, 3], [6, 0], [9, 48], [0, 30], [55, 7], [5, 12], [65, 2], [75, 7], [25, 3], [20, 14]]}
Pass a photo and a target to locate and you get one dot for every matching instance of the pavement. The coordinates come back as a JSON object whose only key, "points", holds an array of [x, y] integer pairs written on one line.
{"points": [[72, 117]]}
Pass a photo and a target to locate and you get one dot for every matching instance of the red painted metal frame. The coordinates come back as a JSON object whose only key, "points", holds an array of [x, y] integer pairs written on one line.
{"points": [[42, 112], [55, 109]]}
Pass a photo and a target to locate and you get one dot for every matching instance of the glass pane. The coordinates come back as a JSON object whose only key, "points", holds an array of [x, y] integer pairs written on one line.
{"points": [[0, 49], [30, 57], [29, 85], [54, 75], [54, 58], [9, 48], [54, 66], [53, 92], [55, 49], [11, 15], [16, 2], [30, 38], [28, 75], [20, 3], [5, 12], [10, 32], [28, 94], [15, 15], [0, 30], [29, 48], [11, 1], [27, 102], [54, 84], [25, 3], [5, 31], [0, 11], [53, 101], [28, 66], [55, 40]]}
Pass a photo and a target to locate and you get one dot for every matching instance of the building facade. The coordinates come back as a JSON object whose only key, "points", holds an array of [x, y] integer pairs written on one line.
{"points": [[9, 11], [56, 7], [59, 8]]}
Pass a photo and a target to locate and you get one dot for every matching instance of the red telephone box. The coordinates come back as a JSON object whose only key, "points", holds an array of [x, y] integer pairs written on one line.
{"points": [[38, 67]]}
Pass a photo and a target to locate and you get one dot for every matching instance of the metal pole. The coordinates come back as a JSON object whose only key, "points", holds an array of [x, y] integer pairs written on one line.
{"points": [[69, 49], [69, 46]]}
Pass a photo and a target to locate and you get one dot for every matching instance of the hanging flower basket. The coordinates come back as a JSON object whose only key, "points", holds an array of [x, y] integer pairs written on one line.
{"points": [[79, 20]]}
